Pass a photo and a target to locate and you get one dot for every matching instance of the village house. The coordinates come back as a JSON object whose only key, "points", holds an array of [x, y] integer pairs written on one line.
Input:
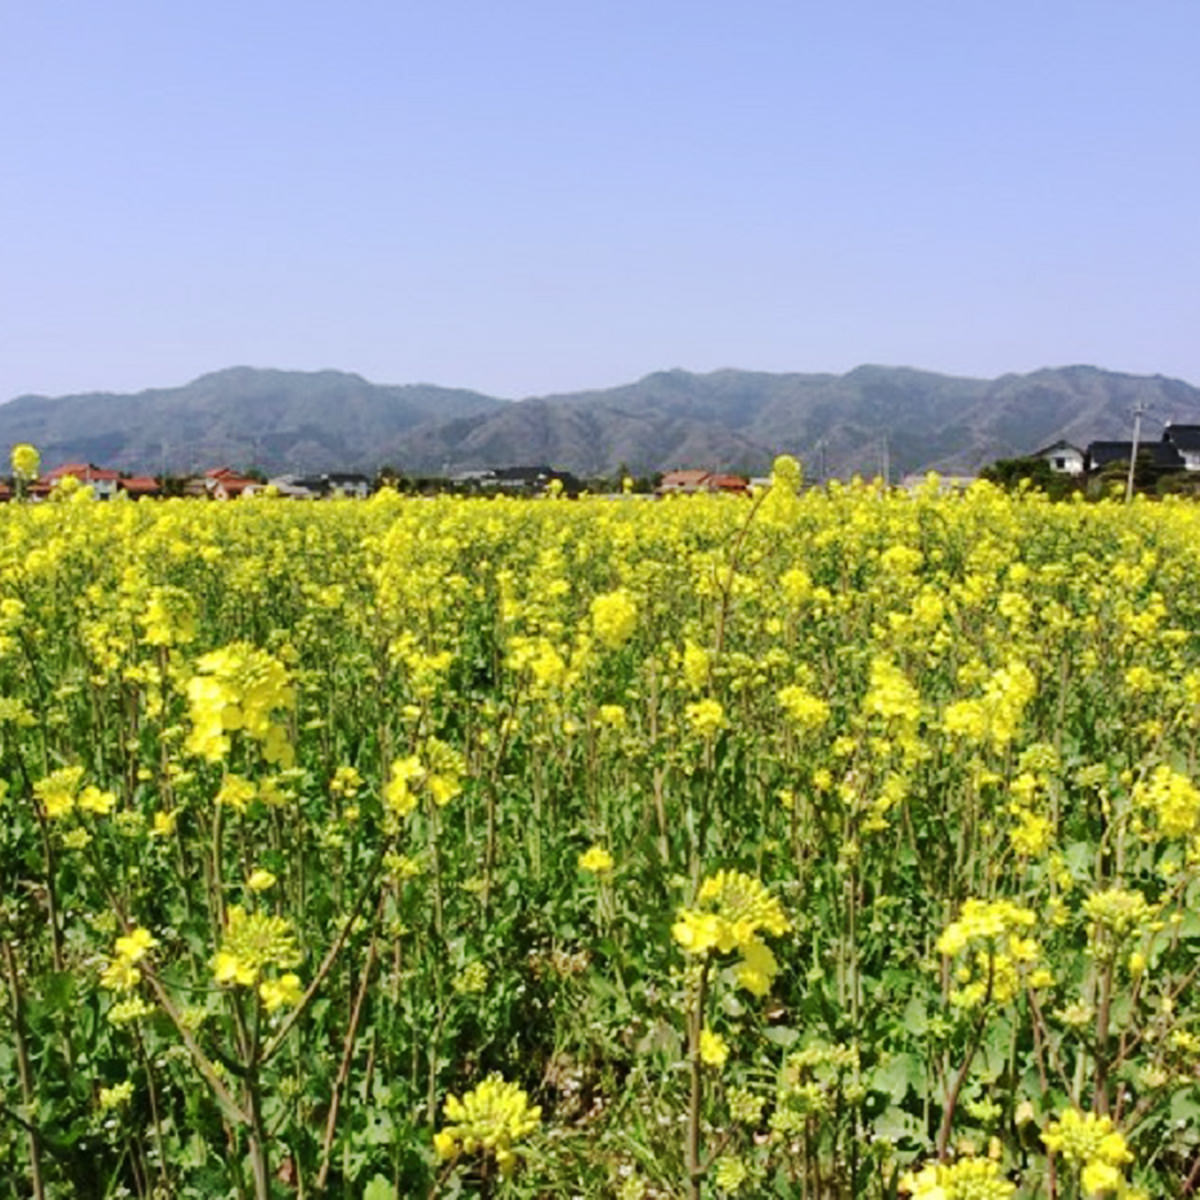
{"points": [[1186, 440], [102, 481], [1063, 457], [689, 481], [331, 485], [137, 486], [224, 483], [1163, 455], [346, 484]]}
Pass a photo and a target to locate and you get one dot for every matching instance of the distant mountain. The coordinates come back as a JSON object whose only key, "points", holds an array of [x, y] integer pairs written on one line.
{"points": [[278, 420], [839, 424]]}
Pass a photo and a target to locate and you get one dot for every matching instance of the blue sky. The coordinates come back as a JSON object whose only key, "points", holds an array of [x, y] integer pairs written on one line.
{"points": [[528, 197]]}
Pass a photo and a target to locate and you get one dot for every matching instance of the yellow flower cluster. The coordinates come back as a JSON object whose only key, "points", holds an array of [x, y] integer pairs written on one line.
{"points": [[169, 618], [1173, 799], [714, 1049], [440, 774], [1096, 1147], [995, 717], [1002, 960], [705, 718], [804, 710], [614, 618], [967, 1179], [740, 907], [60, 794], [25, 461], [489, 1119], [597, 860], [239, 687], [252, 942], [122, 974]]}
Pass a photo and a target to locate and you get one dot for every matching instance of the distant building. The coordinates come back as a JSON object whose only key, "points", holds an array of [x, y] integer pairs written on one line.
{"points": [[322, 487], [297, 487], [682, 482], [102, 481], [137, 486], [1186, 440], [1163, 455], [346, 484], [224, 483], [691, 480], [1063, 457]]}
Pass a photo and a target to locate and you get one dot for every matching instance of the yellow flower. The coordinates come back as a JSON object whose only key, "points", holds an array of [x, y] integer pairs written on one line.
{"points": [[120, 975], [236, 792], [729, 1173], [135, 945], [743, 907], [695, 666], [614, 618], [57, 792], [471, 980], [92, 799], [261, 880], [239, 688], [25, 461], [597, 860], [706, 718], [1099, 1177], [967, 1179], [116, 1096], [252, 941], [346, 782], [487, 1120], [398, 795], [806, 711], [1084, 1138], [164, 823], [714, 1050], [284, 991]]}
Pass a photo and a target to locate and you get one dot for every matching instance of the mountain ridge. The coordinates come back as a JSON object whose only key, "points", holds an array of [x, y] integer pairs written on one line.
{"points": [[724, 419]]}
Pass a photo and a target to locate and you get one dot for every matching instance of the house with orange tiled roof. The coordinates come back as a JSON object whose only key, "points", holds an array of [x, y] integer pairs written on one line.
{"points": [[674, 483], [224, 483], [737, 484], [692, 480], [102, 481], [137, 486]]}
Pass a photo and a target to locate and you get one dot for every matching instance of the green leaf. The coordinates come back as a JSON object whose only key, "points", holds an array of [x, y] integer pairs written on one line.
{"points": [[781, 1035], [916, 1017], [900, 1073], [897, 1126], [379, 1188], [1185, 1108]]}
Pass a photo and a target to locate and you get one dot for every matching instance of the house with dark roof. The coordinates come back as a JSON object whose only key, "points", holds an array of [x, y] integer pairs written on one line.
{"points": [[1186, 440], [347, 484], [1163, 455]]}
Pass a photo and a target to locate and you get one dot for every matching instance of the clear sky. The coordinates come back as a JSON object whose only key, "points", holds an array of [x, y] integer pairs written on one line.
{"points": [[523, 197]]}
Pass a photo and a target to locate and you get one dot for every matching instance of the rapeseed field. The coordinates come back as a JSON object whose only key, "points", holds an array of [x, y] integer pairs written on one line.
{"points": [[831, 843]]}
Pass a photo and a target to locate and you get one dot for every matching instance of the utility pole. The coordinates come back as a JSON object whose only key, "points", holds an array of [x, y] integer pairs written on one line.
{"points": [[887, 463], [1139, 409]]}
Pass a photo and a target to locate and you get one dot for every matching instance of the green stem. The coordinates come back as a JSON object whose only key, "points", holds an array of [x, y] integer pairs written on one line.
{"points": [[695, 1171], [23, 1071]]}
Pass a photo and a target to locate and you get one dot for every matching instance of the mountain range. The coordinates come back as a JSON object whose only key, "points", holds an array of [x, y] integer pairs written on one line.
{"points": [[735, 420]]}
